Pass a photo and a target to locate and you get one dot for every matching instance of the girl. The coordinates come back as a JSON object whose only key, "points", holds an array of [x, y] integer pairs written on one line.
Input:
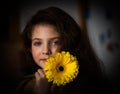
{"points": [[52, 30]]}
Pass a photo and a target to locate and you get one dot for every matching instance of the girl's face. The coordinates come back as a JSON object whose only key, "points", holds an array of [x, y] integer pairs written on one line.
{"points": [[45, 42]]}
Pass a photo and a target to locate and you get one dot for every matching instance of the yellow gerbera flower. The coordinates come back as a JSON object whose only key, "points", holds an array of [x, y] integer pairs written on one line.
{"points": [[62, 68]]}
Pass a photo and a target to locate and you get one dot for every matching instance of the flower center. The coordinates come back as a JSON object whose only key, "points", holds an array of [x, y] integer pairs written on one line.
{"points": [[60, 68]]}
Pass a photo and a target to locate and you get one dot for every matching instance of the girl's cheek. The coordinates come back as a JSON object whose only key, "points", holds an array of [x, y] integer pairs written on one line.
{"points": [[35, 52], [56, 50]]}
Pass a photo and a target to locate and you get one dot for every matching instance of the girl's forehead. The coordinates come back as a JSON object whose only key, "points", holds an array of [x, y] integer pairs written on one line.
{"points": [[44, 26], [45, 30]]}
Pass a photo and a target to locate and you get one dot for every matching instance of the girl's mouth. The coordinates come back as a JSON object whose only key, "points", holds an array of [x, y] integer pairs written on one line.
{"points": [[43, 60]]}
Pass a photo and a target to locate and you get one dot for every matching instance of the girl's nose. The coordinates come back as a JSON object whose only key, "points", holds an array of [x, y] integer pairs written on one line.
{"points": [[46, 49]]}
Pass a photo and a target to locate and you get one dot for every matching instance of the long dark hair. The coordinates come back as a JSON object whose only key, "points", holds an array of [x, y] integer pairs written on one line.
{"points": [[73, 39]]}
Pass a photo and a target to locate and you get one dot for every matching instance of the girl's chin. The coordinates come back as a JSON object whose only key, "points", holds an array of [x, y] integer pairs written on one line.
{"points": [[42, 64]]}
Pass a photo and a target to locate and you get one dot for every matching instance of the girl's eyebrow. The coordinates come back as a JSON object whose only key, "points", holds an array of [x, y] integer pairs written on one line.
{"points": [[55, 38], [36, 39], [49, 38]]}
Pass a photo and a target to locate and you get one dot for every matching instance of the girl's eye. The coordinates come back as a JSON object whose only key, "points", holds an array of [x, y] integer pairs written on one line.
{"points": [[56, 42], [37, 43]]}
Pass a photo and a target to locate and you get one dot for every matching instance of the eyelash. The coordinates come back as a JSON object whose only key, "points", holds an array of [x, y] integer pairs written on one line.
{"points": [[37, 43], [51, 43], [54, 42]]}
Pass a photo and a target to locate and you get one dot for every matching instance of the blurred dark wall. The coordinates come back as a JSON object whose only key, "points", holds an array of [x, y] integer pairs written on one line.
{"points": [[10, 46]]}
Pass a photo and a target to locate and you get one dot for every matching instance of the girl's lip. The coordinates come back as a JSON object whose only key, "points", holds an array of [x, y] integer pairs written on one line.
{"points": [[44, 60]]}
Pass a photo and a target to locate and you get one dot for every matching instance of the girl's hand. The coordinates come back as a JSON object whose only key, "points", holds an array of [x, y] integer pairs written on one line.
{"points": [[41, 84]]}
